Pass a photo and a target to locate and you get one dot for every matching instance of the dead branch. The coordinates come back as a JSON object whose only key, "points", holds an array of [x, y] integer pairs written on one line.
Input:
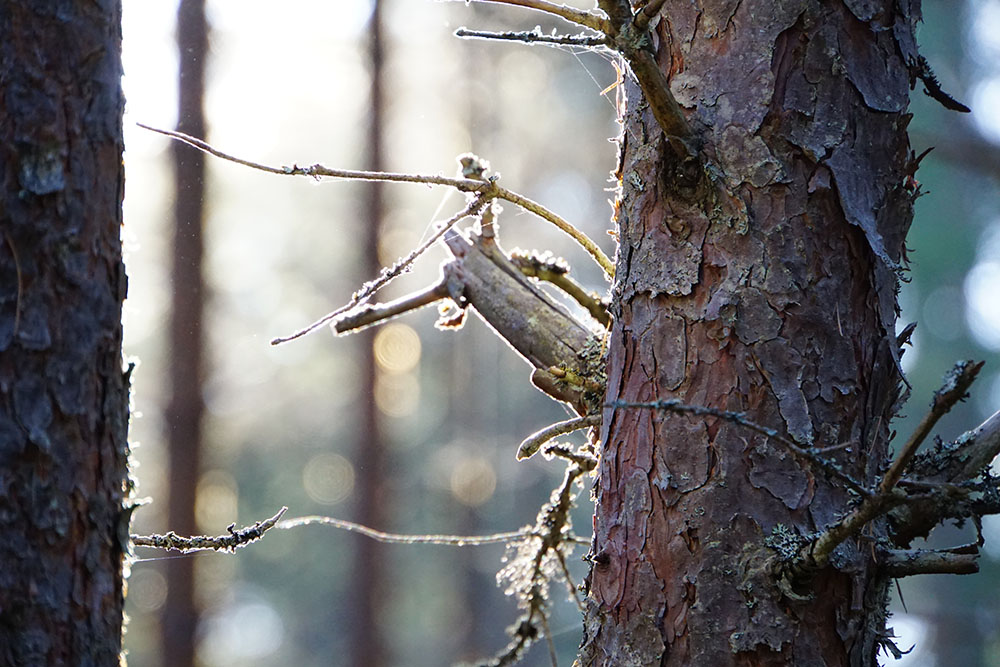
{"points": [[959, 463], [527, 571], [534, 441], [556, 271], [899, 563], [234, 540], [571, 14], [538, 328], [956, 384], [817, 553], [381, 312], [389, 273], [535, 36]]}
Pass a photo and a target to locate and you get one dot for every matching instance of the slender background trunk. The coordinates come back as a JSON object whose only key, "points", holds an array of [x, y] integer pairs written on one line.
{"points": [[186, 404], [367, 639], [763, 287], [63, 395]]}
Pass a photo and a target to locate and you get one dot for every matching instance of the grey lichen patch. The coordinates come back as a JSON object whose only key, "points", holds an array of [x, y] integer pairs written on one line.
{"points": [[768, 624], [637, 642]]}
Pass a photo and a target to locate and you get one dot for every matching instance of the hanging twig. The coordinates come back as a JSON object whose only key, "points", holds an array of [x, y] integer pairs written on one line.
{"points": [[398, 538]]}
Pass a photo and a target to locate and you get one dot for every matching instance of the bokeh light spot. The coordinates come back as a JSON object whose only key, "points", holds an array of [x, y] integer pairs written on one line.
{"points": [[473, 481], [397, 394], [147, 590], [397, 348], [328, 478]]}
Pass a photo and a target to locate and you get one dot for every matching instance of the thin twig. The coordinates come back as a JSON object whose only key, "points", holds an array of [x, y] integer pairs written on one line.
{"points": [[391, 272], [535, 36], [571, 14], [534, 207], [956, 383], [318, 170], [673, 405], [487, 188], [380, 312], [556, 271], [548, 638], [234, 540], [534, 441], [574, 593], [397, 538]]}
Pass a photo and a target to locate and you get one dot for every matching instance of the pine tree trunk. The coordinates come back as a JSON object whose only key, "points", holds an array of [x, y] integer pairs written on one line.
{"points": [[763, 283], [63, 396], [186, 406]]}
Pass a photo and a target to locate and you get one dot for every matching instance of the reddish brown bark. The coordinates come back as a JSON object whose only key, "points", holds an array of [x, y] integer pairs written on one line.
{"points": [[186, 405], [762, 283], [63, 395]]}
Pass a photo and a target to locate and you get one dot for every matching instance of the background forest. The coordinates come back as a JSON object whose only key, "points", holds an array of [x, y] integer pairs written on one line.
{"points": [[290, 84]]}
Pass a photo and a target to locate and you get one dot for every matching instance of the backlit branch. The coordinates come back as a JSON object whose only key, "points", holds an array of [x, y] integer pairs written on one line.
{"points": [[535, 36], [397, 538], [571, 14], [485, 187], [234, 540]]}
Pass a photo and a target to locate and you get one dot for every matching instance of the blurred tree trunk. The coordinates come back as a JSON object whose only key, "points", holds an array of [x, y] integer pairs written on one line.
{"points": [[763, 286], [186, 405], [63, 396], [368, 642]]}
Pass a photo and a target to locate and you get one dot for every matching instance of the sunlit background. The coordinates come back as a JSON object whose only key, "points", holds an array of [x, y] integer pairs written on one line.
{"points": [[288, 83]]}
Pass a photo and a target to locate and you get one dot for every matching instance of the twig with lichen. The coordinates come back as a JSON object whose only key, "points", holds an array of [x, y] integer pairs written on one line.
{"points": [[817, 553], [234, 540], [535, 561]]}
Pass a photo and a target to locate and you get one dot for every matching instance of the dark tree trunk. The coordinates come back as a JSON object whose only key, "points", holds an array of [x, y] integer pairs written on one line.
{"points": [[765, 284], [367, 641], [63, 395], [186, 404]]}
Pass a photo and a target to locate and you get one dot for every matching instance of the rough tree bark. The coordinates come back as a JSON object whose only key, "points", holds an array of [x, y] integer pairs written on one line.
{"points": [[186, 405], [762, 282], [63, 395]]}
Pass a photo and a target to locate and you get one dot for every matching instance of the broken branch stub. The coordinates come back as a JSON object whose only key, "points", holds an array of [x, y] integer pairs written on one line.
{"points": [[556, 344], [566, 355]]}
